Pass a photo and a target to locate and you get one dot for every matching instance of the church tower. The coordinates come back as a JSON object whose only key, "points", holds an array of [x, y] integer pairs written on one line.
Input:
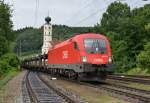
{"points": [[47, 36]]}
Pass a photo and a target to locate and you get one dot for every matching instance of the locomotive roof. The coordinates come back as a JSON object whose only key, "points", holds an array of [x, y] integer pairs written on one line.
{"points": [[76, 37], [89, 35]]}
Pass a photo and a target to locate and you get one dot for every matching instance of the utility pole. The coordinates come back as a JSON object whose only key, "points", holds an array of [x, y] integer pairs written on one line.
{"points": [[20, 48]]}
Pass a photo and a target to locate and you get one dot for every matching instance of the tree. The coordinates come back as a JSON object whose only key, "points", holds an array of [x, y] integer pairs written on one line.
{"points": [[7, 60], [115, 14], [6, 33], [3, 45], [147, 27], [128, 31], [119, 52], [143, 58]]}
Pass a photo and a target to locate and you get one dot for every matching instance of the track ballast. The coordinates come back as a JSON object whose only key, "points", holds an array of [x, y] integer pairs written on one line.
{"points": [[37, 91]]}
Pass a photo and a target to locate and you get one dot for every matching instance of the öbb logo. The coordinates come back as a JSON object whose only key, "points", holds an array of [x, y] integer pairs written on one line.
{"points": [[65, 54]]}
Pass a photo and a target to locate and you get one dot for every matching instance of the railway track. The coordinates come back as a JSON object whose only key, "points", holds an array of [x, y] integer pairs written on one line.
{"points": [[37, 91], [136, 79], [131, 94], [139, 91], [135, 76]]}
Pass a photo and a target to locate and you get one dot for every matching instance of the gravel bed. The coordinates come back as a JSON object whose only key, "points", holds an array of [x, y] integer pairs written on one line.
{"points": [[12, 91], [86, 93]]}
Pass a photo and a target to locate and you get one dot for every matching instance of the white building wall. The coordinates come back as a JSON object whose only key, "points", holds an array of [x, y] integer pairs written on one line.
{"points": [[47, 38]]}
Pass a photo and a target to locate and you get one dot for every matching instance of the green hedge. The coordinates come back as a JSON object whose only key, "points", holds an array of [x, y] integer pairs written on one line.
{"points": [[7, 62]]}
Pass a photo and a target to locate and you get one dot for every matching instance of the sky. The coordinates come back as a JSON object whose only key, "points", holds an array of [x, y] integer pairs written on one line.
{"points": [[65, 12]]}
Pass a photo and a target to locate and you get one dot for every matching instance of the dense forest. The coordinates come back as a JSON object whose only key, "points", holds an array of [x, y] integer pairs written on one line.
{"points": [[127, 29], [129, 34], [8, 59]]}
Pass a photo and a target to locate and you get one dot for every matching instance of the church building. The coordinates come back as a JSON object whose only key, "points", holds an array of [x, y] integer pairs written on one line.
{"points": [[47, 36]]}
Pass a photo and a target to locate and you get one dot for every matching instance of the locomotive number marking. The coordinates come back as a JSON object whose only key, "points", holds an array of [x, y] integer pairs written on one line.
{"points": [[98, 60], [65, 54]]}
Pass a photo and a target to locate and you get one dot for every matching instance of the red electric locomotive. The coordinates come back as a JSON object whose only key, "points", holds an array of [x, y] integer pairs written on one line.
{"points": [[84, 56]]}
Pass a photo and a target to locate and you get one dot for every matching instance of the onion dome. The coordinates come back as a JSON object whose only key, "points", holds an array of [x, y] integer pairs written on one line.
{"points": [[48, 19]]}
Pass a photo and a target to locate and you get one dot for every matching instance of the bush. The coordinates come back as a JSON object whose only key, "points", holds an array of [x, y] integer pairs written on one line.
{"points": [[7, 62], [137, 71], [3, 45], [143, 59], [121, 58]]}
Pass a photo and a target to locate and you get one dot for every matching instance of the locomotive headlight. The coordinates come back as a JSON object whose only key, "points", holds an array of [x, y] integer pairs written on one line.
{"points": [[84, 59], [109, 60]]}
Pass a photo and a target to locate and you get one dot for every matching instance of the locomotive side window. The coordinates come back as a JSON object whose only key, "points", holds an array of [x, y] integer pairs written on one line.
{"points": [[76, 46], [94, 46]]}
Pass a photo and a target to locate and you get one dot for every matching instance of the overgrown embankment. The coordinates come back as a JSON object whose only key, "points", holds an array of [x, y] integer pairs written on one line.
{"points": [[9, 62], [8, 76]]}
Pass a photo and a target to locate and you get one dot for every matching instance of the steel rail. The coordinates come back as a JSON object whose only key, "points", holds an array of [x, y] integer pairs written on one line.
{"points": [[141, 91], [131, 79], [135, 76], [40, 91], [32, 95], [67, 98], [111, 88]]}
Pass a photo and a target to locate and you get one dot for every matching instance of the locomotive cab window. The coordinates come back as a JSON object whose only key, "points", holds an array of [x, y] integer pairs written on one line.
{"points": [[76, 46], [95, 46]]}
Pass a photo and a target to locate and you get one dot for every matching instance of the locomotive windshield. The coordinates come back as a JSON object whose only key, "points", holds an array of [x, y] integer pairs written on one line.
{"points": [[95, 46]]}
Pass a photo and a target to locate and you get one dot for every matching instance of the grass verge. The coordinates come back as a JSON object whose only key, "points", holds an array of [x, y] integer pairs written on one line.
{"points": [[8, 76], [139, 86], [138, 71]]}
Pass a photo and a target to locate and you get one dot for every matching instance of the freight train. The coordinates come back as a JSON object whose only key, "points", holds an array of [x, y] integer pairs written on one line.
{"points": [[83, 57]]}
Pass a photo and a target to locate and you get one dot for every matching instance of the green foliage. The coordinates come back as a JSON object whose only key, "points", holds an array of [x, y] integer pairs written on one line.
{"points": [[7, 62], [8, 77], [6, 33], [29, 39], [7, 36], [143, 58], [5, 22], [128, 31], [147, 27], [116, 14], [119, 52], [3, 45], [137, 71]]}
